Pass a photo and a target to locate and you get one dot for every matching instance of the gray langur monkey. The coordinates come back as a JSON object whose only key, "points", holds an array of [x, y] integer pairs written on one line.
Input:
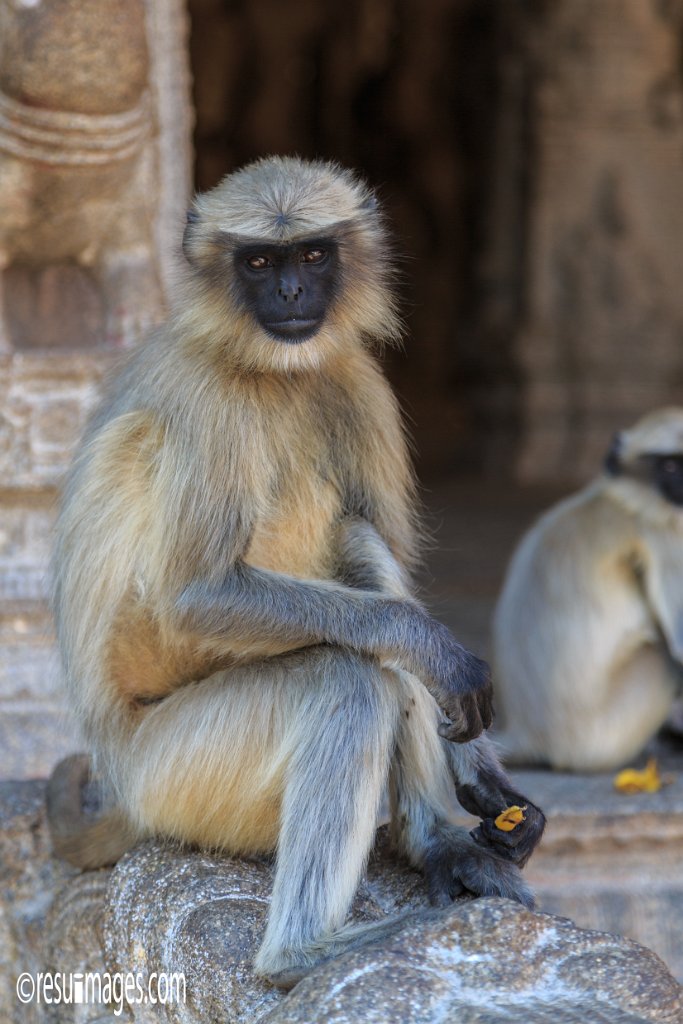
{"points": [[232, 587], [588, 630]]}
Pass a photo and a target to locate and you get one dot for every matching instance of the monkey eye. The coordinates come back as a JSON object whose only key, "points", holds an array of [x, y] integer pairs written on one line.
{"points": [[670, 465], [258, 262], [313, 256]]}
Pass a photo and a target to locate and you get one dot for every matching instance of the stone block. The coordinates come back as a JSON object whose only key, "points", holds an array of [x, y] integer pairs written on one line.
{"points": [[488, 960], [611, 861], [29, 879]]}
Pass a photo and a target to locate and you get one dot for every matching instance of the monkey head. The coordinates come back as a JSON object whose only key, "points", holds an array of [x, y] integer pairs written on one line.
{"points": [[651, 454], [288, 263]]}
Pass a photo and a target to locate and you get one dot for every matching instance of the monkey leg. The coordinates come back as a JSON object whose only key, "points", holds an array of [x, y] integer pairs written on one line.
{"points": [[212, 763], [452, 859], [333, 786], [628, 709], [289, 753]]}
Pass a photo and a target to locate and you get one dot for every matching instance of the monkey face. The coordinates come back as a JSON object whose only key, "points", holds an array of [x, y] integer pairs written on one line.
{"points": [[288, 263], [662, 471], [667, 471], [288, 288]]}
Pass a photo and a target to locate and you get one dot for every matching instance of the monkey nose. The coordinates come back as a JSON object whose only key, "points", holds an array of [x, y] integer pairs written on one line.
{"points": [[290, 287]]}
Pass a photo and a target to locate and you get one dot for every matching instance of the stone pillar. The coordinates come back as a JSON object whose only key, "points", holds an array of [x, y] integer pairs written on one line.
{"points": [[592, 97], [95, 153]]}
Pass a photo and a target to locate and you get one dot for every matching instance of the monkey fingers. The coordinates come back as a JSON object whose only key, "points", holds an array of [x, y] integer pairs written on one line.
{"points": [[466, 726], [471, 711], [487, 796], [518, 844]]}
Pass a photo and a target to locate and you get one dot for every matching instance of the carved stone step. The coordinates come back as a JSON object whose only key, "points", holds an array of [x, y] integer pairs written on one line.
{"points": [[36, 728], [612, 861], [164, 909]]}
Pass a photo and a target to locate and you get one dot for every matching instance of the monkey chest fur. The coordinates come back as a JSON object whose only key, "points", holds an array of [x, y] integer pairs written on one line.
{"points": [[286, 489], [300, 468], [295, 532]]}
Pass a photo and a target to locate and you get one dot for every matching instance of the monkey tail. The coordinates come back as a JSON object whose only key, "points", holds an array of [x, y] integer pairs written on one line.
{"points": [[77, 837]]}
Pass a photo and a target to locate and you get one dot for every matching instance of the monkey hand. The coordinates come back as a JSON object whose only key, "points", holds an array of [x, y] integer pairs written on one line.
{"points": [[518, 844], [460, 684]]}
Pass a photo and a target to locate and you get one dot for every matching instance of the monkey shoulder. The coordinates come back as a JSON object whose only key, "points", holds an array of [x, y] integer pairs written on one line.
{"points": [[573, 589], [577, 556]]}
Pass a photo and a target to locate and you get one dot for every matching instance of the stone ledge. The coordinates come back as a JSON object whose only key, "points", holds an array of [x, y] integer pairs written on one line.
{"points": [[163, 908], [611, 861], [29, 880]]}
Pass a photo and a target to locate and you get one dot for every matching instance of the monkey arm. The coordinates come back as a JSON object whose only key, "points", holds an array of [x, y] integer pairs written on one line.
{"points": [[663, 579], [482, 786], [365, 561], [255, 602]]}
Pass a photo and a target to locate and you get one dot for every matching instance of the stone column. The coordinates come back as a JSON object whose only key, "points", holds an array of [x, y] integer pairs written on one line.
{"points": [[95, 153], [592, 99]]}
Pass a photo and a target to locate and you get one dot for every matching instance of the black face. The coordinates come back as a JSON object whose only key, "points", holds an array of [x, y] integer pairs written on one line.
{"points": [[288, 288], [668, 474], [664, 471]]}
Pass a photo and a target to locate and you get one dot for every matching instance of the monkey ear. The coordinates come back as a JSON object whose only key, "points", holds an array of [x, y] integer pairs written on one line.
{"points": [[191, 218], [371, 204]]}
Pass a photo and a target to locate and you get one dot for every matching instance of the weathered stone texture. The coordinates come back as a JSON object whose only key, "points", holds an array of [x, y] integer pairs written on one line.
{"points": [[29, 879], [44, 403], [484, 960], [489, 961], [595, 212], [95, 122], [77, 166]]}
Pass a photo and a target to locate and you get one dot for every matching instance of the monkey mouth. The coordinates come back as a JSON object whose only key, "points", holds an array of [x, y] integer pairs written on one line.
{"points": [[292, 331]]}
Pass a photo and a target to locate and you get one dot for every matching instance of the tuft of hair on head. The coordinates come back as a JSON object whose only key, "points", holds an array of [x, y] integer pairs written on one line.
{"points": [[644, 468], [282, 199], [658, 433]]}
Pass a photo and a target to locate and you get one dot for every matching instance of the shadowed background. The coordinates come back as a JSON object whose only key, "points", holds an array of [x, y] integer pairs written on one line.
{"points": [[530, 158]]}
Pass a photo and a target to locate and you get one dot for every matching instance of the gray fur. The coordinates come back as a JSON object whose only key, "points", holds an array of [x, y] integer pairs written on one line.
{"points": [[232, 589], [298, 612], [589, 623]]}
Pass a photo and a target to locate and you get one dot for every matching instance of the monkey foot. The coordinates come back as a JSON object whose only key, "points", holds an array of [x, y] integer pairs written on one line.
{"points": [[456, 865]]}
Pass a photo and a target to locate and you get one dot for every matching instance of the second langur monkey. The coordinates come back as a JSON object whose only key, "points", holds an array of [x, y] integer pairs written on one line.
{"points": [[232, 582], [588, 631]]}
